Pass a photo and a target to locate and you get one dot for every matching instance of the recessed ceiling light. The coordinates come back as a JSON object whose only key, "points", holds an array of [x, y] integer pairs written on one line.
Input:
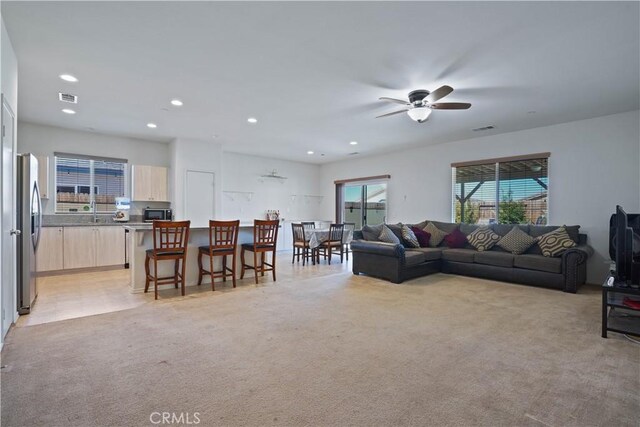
{"points": [[252, 120], [68, 78], [68, 111], [354, 143], [176, 102], [309, 152], [152, 125]]}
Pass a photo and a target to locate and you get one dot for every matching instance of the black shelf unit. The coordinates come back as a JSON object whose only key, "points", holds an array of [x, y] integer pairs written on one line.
{"points": [[617, 317]]}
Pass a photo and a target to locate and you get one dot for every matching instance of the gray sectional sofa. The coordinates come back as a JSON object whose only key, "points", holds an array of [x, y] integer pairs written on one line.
{"points": [[397, 263]]}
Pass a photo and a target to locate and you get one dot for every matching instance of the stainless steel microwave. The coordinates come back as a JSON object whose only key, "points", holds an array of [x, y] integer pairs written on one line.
{"points": [[151, 215]]}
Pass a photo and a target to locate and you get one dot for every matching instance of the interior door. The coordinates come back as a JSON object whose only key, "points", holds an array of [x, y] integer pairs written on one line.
{"points": [[8, 244], [200, 198]]}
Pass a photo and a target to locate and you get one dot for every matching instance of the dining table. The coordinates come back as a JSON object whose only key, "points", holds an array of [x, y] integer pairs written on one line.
{"points": [[317, 236]]}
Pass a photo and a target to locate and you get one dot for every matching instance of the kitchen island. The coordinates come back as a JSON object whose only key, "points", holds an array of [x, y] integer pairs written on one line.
{"points": [[142, 239]]}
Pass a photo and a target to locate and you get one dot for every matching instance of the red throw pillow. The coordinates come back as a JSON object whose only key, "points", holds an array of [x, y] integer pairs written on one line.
{"points": [[455, 239], [422, 236]]}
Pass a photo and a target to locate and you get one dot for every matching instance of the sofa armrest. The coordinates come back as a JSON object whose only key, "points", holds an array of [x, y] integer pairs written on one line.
{"points": [[378, 248], [574, 266]]}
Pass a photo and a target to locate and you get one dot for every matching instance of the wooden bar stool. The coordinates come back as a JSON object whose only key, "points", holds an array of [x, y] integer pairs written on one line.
{"points": [[301, 245], [223, 239], [265, 236], [170, 240]]}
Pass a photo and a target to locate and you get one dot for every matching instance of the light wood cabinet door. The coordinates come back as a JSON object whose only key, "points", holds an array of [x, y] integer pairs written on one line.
{"points": [[109, 246], [149, 183], [43, 176], [50, 249], [79, 247]]}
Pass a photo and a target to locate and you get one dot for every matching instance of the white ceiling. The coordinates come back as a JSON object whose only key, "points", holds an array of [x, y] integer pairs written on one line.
{"points": [[312, 72]]}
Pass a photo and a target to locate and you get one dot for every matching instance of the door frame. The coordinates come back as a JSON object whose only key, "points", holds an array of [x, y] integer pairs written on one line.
{"points": [[341, 188], [13, 315]]}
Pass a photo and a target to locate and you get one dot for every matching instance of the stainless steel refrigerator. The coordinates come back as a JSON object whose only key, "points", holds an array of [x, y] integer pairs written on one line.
{"points": [[29, 226]]}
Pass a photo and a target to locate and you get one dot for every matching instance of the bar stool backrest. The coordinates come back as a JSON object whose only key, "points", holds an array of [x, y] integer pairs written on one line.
{"points": [[170, 236], [223, 234], [265, 232]]}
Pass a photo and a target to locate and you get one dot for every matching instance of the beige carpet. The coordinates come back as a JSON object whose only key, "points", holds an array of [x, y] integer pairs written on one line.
{"points": [[336, 350]]}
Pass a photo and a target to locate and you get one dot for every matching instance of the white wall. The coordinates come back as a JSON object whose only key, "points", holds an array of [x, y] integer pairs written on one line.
{"points": [[45, 140], [9, 89], [247, 195], [194, 155], [594, 165]]}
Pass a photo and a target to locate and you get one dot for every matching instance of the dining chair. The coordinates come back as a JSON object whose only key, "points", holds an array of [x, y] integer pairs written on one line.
{"points": [[349, 228], [265, 237], [223, 239], [301, 244], [334, 242], [170, 239]]}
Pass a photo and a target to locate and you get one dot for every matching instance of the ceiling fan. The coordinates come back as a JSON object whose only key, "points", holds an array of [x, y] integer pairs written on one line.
{"points": [[421, 102]]}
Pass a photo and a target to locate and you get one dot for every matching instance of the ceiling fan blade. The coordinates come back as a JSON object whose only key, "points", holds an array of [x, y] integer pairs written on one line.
{"points": [[397, 101], [391, 114], [439, 93], [451, 106]]}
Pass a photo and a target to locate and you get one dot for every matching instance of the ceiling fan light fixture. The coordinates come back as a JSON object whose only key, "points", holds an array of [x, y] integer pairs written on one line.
{"points": [[419, 114]]}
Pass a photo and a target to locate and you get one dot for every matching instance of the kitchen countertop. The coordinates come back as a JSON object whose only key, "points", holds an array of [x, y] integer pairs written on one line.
{"points": [[98, 224]]}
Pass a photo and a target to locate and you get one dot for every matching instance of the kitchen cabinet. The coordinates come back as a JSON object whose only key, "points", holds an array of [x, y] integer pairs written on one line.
{"points": [[109, 246], [79, 247], [149, 183], [43, 176], [50, 249]]}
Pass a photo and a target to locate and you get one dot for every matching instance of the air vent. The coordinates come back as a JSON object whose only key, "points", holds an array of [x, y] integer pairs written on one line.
{"points": [[355, 153], [483, 128], [67, 97]]}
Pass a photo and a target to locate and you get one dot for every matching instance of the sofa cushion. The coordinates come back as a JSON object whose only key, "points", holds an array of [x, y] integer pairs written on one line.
{"points": [[458, 255], [572, 230], [409, 237], [388, 236], [504, 229], [456, 239], [554, 243], [431, 254], [499, 259], [397, 230], [371, 232], [447, 227], [516, 241], [538, 262], [437, 235], [468, 228], [483, 238], [412, 257], [422, 236]]}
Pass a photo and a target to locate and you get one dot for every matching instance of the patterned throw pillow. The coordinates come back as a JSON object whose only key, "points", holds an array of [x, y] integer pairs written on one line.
{"points": [[387, 236], [436, 235], [483, 238], [516, 241], [409, 237], [422, 236], [455, 239], [371, 232], [554, 243]]}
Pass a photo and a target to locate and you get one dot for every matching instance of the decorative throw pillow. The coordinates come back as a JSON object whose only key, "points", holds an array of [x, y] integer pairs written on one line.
{"points": [[396, 229], [516, 241], [483, 238], [371, 232], [387, 236], [556, 242], [455, 239], [436, 235], [422, 236], [409, 237]]}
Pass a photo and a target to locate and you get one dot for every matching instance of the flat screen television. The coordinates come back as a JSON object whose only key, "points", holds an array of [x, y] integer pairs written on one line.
{"points": [[625, 242]]}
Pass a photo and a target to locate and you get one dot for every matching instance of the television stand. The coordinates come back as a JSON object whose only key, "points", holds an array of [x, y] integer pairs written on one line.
{"points": [[616, 316]]}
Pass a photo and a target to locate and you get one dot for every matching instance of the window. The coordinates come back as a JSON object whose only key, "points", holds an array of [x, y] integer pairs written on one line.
{"points": [[505, 191], [361, 201], [83, 180]]}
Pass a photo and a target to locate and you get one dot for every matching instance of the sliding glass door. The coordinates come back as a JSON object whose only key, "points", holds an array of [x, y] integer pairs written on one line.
{"points": [[364, 204]]}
